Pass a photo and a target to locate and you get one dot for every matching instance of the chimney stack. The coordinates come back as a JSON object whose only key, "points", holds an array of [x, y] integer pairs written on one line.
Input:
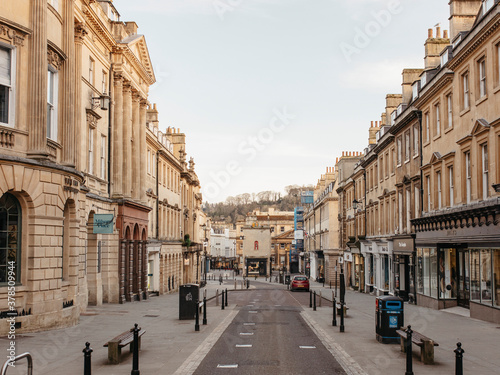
{"points": [[463, 13], [433, 48], [409, 76]]}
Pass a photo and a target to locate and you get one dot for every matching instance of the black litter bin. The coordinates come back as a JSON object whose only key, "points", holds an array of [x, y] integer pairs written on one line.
{"points": [[188, 296], [287, 279], [389, 317]]}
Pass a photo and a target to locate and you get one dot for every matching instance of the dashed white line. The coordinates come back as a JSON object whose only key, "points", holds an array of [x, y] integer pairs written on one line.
{"points": [[246, 333], [248, 324], [227, 366], [252, 312], [243, 345], [307, 347]]}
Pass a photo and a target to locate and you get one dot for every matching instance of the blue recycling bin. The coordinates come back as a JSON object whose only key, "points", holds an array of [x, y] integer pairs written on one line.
{"points": [[389, 317]]}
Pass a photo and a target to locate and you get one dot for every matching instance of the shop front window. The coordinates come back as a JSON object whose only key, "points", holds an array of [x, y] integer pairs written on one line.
{"points": [[475, 286], [385, 265], [426, 275], [447, 273], [433, 273], [420, 271], [486, 295], [496, 273]]}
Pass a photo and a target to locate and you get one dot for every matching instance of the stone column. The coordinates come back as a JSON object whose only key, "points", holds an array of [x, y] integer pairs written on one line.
{"points": [[144, 270], [68, 88], [121, 269], [37, 89], [136, 146], [78, 133], [130, 262], [142, 151], [126, 158], [117, 178]]}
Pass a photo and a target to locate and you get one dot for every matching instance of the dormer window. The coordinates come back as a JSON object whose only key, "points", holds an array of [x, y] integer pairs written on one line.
{"points": [[423, 80], [487, 5], [415, 90]]}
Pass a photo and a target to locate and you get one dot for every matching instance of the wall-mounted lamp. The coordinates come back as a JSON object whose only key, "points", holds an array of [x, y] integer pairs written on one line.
{"points": [[355, 204], [101, 101]]}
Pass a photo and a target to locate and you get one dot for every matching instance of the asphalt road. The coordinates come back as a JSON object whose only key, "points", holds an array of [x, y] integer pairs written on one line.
{"points": [[268, 336]]}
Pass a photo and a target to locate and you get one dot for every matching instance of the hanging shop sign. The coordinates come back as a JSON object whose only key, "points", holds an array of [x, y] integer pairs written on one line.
{"points": [[103, 223]]}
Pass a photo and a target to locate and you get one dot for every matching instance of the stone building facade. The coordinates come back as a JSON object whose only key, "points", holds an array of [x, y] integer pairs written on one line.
{"points": [[73, 135], [440, 147]]}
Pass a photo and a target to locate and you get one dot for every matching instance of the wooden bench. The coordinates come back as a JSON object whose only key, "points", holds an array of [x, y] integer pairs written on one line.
{"points": [[426, 345], [115, 345], [339, 309]]}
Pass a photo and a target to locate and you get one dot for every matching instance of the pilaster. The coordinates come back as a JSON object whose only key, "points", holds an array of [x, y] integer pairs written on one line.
{"points": [[142, 151], [79, 32], [37, 118], [117, 180], [136, 144], [68, 83], [126, 159]]}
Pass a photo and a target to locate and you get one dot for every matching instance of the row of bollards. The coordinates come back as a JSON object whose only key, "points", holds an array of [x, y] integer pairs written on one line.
{"points": [[459, 355], [87, 355]]}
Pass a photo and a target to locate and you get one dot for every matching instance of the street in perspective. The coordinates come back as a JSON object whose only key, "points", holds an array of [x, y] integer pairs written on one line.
{"points": [[249, 187]]}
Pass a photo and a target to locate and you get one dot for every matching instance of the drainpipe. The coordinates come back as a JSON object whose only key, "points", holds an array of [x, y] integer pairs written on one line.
{"points": [[157, 197]]}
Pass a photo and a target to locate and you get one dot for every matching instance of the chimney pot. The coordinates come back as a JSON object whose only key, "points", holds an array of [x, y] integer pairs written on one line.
{"points": [[371, 126], [445, 34], [430, 33], [438, 32]]}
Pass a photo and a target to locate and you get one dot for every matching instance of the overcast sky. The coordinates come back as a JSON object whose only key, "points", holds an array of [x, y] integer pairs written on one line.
{"points": [[270, 92]]}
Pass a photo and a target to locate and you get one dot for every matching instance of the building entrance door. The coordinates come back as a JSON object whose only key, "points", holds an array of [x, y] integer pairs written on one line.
{"points": [[463, 277]]}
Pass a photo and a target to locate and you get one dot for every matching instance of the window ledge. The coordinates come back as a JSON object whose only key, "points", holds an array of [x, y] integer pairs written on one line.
{"points": [[415, 156], [448, 129], [496, 89], [464, 111], [436, 137], [427, 143], [482, 99]]}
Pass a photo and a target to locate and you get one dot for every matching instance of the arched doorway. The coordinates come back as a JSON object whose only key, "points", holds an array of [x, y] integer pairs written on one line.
{"points": [[10, 237]]}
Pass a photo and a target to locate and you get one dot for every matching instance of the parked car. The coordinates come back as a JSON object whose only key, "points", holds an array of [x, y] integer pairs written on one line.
{"points": [[299, 282]]}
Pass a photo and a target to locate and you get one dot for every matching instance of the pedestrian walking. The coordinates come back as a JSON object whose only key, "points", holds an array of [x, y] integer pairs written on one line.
{"points": [[220, 279]]}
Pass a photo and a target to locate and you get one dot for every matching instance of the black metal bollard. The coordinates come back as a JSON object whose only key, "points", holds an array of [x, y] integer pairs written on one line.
{"points": [[334, 321], [314, 304], [222, 304], [342, 328], [226, 297], [459, 366], [197, 316], [310, 298], [87, 355], [248, 283], [409, 358], [135, 360], [204, 311]]}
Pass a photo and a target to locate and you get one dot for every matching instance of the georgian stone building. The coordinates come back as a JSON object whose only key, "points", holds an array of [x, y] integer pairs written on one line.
{"points": [[321, 240], [74, 199], [441, 220], [280, 225]]}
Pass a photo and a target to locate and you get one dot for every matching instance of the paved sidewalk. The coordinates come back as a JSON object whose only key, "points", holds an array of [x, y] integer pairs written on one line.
{"points": [[166, 345], [479, 339], [170, 345]]}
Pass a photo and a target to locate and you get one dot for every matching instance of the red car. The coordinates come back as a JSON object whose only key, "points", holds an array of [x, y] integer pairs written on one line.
{"points": [[299, 282]]}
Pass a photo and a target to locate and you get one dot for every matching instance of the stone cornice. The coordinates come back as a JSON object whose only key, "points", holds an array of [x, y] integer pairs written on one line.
{"points": [[432, 88], [125, 50], [477, 40], [101, 31]]}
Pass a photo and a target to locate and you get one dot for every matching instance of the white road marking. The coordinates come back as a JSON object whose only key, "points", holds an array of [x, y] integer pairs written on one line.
{"points": [[193, 361], [306, 347], [252, 312], [246, 333], [227, 366], [248, 324], [243, 346]]}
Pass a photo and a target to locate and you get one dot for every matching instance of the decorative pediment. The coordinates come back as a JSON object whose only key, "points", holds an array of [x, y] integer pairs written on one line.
{"points": [[135, 49], [480, 126], [436, 157]]}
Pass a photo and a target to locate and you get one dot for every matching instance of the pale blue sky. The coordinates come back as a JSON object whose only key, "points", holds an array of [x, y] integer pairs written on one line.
{"points": [[224, 68]]}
